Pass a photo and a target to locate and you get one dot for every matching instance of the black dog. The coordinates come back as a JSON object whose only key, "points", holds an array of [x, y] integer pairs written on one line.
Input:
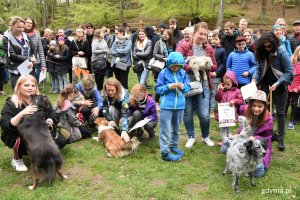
{"points": [[46, 159]]}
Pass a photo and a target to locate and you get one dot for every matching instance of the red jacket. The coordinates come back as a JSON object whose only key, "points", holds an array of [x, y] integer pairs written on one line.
{"points": [[296, 82], [234, 93], [186, 49]]}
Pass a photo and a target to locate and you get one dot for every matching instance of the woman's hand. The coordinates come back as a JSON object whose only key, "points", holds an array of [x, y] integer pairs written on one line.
{"points": [[213, 74], [30, 65], [81, 53], [125, 136], [49, 122], [95, 112], [29, 110], [112, 123], [88, 103], [245, 74], [273, 87]]}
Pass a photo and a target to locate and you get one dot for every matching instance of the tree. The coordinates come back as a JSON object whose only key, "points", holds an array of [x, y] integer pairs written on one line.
{"points": [[263, 13], [121, 17], [244, 4], [220, 15]]}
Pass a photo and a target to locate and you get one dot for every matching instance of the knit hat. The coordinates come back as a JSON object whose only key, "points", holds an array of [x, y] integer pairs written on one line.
{"points": [[68, 32], [276, 26], [260, 95], [240, 39], [296, 22], [52, 43], [61, 38]]}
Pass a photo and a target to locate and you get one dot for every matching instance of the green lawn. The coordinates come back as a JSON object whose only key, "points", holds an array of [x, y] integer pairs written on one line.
{"points": [[92, 175]]}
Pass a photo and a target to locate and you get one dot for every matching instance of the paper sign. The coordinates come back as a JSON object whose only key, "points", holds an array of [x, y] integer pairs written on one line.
{"points": [[43, 75], [248, 90], [140, 124], [23, 67], [226, 115]]}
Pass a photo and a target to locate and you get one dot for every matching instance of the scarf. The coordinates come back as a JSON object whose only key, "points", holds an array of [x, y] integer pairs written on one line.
{"points": [[141, 45], [164, 48], [121, 39]]}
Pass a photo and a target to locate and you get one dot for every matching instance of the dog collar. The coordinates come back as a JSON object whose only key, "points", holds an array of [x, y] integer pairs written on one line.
{"points": [[102, 128]]}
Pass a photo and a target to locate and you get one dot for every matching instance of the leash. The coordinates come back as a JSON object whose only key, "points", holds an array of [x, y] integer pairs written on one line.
{"points": [[271, 102]]}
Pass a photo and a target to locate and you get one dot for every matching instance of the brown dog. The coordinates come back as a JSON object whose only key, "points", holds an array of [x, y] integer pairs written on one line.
{"points": [[115, 146]]}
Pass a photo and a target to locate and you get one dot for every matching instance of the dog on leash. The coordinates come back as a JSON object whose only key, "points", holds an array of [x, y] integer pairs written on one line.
{"points": [[115, 146], [244, 155], [46, 159]]}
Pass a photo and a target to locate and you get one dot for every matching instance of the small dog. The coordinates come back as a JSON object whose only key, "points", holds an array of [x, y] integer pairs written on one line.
{"points": [[198, 64], [115, 146], [46, 159], [243, 156]]}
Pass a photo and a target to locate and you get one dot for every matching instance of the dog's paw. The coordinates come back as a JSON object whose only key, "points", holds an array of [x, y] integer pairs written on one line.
{"points": [[95, 138], [225, 172], [30, 187], [253, 183]]}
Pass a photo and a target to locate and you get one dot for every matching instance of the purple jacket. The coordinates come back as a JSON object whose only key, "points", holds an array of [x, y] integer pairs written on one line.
{"points": [[264, 131], [150, 109], [225, 96]]}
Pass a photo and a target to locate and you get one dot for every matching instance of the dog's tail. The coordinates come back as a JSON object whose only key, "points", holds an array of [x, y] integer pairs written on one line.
{"points": [[135, 143], [50, 171]]}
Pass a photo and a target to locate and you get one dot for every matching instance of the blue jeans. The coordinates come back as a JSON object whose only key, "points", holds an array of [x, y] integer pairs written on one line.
{"points": [[54, 81], [144, 76], [260, 169], [212, 102], [62, 80], [200, 104], [169, 129], [37, 71]]}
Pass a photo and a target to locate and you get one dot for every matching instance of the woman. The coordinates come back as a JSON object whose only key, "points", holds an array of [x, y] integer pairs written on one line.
{"points": [[248, 35], [283, 24], [141, 55], [2, 65], [162, 49], [15, 108], [18, 47], [121, 55], [274, 72], [99, 51], [115, 105], [278, 31], [38, 47], [80, 47], [200, 102]]}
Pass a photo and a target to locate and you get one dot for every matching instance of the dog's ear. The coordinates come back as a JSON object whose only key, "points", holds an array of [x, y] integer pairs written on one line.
{"points": [[263, 142], [248, 145]]}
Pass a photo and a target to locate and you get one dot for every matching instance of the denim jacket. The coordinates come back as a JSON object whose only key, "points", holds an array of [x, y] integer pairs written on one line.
{"points": [[281, 67], [121, 49]]}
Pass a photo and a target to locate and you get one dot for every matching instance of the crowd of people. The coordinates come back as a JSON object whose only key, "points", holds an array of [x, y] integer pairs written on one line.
{"points": [[90, 71]]}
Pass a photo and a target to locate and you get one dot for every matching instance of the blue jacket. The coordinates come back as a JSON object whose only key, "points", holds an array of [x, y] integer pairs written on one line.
{"points": [[220, 55], [121, 49], [240, 62], [172, 99], [286, 44], [281, 66], [95, 93]]}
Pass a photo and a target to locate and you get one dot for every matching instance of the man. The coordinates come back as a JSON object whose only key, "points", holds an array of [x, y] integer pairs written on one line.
{"points": [[176, 31], [228, 39], [294, 38], [89, 33], [243, 24]]}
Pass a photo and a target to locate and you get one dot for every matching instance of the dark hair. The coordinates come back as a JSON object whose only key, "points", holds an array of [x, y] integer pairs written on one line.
{"points": [[88, 25], [33, 25], [249, 114], [121, 29], [260, 51], [170, 42]]}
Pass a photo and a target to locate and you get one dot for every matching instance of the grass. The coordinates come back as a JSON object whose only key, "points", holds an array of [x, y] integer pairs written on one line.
{"points": [[92, 175]]}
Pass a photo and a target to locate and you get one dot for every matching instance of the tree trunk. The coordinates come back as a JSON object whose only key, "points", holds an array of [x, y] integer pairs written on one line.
{"points": [[299, 6], [121, 16], [68, 13], [244, 4], [272, 4], [283, 9], [44, 14], [219, 23], [263, 13]]}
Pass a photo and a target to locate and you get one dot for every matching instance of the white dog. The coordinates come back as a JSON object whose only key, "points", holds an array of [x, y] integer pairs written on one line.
{"points": [[198, 64]]}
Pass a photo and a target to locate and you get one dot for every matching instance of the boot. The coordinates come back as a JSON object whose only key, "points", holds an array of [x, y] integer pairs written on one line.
{"points": [[281, 146]]}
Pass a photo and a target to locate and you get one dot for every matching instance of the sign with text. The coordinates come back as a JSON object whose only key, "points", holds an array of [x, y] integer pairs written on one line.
{"points": [[226, 115]]}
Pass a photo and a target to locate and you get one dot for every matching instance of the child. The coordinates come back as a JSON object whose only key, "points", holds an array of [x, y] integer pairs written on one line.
{"points": [[294, 88], [67, 113], [228, 92], [93, 100], [51, 67], [261, 122], [62, 58], [142, 106], [172, 84]]}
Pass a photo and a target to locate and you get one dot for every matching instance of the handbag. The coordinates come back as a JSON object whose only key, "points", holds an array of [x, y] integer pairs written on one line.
{"points": [[98, 65], [121, 64], [79, 62], [156, 65], [196, 88]]}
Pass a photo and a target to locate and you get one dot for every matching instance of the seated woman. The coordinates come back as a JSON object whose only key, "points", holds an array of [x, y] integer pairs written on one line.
{"points": [[261, 122], [115, 105], [142, 106], [93, 101], [14, 110]]}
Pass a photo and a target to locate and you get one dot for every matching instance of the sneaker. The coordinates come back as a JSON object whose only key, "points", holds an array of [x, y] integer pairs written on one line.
{"points": [[19, 165], [291, 126], [171, 157], [177, 151], [208, 142], [190, 142]]}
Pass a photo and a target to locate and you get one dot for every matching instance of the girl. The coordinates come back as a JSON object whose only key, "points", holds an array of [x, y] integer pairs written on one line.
{"points": [[248, 35], [51, 67], [115, 105], [67, 112], [62, 59], [228, 92], [172, 84], [93, 102], [142, 54], [294, 88], [142, 106], [261, 122]]}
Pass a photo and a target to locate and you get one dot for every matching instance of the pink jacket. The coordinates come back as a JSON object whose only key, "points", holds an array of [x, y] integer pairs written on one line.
{"points": [[225, 96], [296, 82], [186, 49]]}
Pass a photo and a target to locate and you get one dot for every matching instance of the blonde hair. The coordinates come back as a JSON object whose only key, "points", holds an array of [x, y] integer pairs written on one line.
{"points": [[14, 20], [97, 32], [114, 82], [295, 57], [16, 97], [137, 89], [88, 80], [69, 89], [83, 37]]}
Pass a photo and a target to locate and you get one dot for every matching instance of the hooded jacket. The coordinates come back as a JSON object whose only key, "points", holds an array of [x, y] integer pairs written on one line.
{"points": [[172, 99], [149, 111], [296, 82], [225, 96]]}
